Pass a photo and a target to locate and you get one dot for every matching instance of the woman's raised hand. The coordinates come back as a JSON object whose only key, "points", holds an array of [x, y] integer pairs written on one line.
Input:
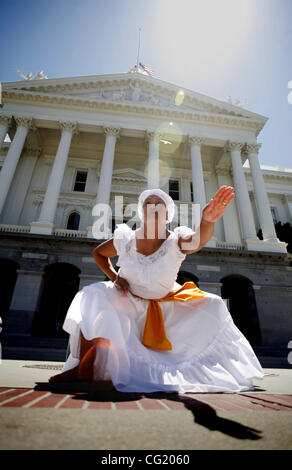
{"points": [[122, 284], [218, 204]]}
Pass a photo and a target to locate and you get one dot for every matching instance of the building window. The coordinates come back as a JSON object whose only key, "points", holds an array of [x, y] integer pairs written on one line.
{"points": [[274, 215], [192, 192], [80, 181], [73, 221], [114, 225], [133, 227], [173, 189]]}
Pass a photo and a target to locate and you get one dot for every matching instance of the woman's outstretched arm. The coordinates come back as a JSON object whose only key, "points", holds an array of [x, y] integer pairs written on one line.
{"points": [[210, 214]]}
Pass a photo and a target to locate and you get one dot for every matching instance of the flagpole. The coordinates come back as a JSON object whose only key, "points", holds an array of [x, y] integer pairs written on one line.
{"points": [[138, 50]]}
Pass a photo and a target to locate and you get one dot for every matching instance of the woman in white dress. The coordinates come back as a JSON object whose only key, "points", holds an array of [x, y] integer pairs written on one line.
{"points": [[141, 331]]}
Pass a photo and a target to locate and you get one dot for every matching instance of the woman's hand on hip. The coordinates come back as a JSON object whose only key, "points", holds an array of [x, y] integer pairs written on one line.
{"points": [[122, 284]]}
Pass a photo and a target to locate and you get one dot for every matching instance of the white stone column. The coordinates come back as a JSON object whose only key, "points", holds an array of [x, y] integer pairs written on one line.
{"points": [[288, 204], [153, 159], [199, 192], [45, 224], [4, 126], [12, 157], [230, 217], [107, 165], [185, 189], [106, 170], [242, 200], [16, 198], [261, 198]]}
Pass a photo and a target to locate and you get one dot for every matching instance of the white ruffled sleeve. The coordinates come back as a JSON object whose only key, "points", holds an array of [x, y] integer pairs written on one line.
{"points": [[180, 232], [122, 234]]}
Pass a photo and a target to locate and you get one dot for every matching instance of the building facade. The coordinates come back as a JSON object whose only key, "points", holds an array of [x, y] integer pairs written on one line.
{"points": [[68, 144]]}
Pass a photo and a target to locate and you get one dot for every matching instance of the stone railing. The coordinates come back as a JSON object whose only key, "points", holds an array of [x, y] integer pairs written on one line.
{"points": [[14, 228], [64, 232], [58, 232], [230, 246]]}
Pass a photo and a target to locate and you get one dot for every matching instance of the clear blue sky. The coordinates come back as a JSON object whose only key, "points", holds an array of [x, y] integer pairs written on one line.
{"points": [[241, 48]]}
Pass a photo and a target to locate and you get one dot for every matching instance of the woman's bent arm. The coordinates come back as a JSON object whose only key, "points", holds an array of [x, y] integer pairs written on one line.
{"points": [[102, 254]]}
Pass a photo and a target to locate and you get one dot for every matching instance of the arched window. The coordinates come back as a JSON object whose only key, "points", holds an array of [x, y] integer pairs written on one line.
{"points": [[242, 306], [73, 221], [60, 284], [8, 276]]}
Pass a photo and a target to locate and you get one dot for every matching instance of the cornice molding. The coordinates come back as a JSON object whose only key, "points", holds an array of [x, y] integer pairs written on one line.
{"points": [[267, 174], [66, 198], [128, 178]]}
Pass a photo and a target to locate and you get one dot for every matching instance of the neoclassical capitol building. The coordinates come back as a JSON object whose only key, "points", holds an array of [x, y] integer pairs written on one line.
{"points": [[68, 144]]}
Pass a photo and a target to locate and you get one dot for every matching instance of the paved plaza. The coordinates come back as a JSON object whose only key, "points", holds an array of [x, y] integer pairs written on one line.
{"points": [[35, 414]]}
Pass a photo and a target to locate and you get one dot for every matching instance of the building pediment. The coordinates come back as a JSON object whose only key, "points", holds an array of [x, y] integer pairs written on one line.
{"points": [[128, 174], [131, 92]]}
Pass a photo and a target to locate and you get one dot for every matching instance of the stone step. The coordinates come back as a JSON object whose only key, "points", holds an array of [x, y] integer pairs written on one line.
{"points": [[33, 348], [50, 354], [274, 362], [55, 349], [270, 351], [34, 354], [18, 341]]}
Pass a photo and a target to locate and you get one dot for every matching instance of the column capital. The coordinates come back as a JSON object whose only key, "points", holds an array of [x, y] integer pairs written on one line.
{"points": [[195, 140], [71, 126], [114, 131], [252, 148], [234, 145], [5, 120], [285, 197], [152, 135], [27, 122], [222, 171], [33, 151]]}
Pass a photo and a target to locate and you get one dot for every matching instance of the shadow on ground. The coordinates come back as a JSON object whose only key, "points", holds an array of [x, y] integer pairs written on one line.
{"points": [[204, 414]]}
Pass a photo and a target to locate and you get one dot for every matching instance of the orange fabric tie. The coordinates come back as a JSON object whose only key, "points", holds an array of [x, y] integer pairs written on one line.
{"points": [[154, 332]]}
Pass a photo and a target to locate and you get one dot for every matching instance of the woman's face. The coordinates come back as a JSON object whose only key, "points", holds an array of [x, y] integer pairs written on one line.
{"points": [[154, 210]]}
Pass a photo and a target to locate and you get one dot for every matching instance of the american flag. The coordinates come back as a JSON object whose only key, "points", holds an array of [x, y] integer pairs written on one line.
{"points": [[147, 69]]}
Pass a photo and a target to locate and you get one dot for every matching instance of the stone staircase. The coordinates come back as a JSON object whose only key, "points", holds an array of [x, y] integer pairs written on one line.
{"points": [[273, 357], [55, 349], [34, 348]]}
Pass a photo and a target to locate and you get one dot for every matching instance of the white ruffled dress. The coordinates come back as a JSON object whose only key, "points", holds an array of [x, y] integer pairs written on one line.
{"points": [[209, 353]]}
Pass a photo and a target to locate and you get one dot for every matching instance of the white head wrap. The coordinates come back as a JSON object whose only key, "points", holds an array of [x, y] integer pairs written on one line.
{"points": [[163, 195]]}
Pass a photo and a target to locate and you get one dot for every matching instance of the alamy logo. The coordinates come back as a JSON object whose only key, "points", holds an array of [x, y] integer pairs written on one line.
{"points": [[289, 358], [102, 227], [289, 97]]}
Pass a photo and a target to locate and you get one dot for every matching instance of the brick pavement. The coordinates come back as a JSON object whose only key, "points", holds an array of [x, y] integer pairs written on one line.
{"points": [[30, 398]]}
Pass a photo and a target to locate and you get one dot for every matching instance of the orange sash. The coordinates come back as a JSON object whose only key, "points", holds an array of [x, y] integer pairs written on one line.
{"points": [[154, 332]]}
